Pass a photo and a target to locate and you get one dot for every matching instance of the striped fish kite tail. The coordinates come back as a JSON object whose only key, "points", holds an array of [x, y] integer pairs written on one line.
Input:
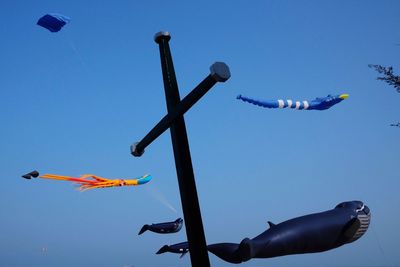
{"points": [[247, 99], [265, 104]]}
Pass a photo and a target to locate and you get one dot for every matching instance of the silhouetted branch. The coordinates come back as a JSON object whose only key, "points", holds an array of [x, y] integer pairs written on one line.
{"points": [[388, 77]]}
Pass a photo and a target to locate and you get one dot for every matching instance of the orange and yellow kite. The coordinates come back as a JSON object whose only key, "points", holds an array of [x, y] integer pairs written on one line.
{"points": [[91, 181]]}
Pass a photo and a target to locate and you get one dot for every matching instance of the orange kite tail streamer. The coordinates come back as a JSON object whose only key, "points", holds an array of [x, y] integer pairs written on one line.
{"points": [[91, 181]]}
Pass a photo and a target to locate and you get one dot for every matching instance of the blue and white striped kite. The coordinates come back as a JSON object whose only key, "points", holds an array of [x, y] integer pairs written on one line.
{"points": [[320, 103]]}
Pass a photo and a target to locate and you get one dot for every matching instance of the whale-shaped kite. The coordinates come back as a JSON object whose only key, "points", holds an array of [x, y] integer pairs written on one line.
{"points": [[320, 103], [180, 248], [163, 228], [91, 181], [312, 233]]}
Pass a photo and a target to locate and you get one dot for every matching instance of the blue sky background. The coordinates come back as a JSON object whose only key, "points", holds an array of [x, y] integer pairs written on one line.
{"points": [[72, 102]]}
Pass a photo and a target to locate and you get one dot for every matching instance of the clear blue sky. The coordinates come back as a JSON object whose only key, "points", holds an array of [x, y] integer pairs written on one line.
{"points": [[72, 103]]}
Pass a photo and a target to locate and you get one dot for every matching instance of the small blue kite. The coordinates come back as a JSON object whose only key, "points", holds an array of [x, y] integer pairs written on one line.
{"points": [[320, 103], [53, 22]]}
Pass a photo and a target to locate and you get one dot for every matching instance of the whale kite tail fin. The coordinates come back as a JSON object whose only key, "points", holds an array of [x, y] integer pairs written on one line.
{"points": [[144, 229], [233, 253], [227, 251], [163, 249], [246, 249]]}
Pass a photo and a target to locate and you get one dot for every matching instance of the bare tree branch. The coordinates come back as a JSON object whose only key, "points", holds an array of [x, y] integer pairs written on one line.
{"points": [[388, 77]]}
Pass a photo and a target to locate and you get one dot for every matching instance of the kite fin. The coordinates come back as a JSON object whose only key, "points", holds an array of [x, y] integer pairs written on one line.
{"points": [[183, 254], [227, 251], [31, 174], [247, 250], [144, 229], [271, 224]]}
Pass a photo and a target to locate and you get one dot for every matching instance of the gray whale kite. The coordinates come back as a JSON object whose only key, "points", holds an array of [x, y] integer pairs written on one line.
{"points": [[317, 232], [163, 228]]}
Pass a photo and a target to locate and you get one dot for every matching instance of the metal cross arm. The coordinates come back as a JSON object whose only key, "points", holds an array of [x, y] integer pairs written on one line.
{"points": [[219, 72]]}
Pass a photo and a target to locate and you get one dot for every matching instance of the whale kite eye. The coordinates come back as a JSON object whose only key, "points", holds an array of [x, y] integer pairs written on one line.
{"points": [[341, 205], [366, 210]]}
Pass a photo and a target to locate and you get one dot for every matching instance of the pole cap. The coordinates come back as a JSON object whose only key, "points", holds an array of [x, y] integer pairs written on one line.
{"points": [[220, 71], [162, 36], [134, 150]]}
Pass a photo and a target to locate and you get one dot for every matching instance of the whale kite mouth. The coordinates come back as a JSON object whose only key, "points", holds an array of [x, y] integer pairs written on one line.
{"points": [[364, 217]]}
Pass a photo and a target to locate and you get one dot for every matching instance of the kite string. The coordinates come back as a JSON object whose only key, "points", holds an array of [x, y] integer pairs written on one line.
{"points": [[156, 193], [73, 47], [380, 246]]}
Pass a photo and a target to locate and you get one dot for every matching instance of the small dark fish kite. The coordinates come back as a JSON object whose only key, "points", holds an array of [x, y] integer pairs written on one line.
{"points": [[53, 22], [312, 233], [163, 228], [90, 181], [320, 103]]}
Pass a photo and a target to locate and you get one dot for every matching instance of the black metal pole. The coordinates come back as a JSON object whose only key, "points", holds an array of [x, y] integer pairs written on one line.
{"points": [[183, 162], [219, 72]]}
